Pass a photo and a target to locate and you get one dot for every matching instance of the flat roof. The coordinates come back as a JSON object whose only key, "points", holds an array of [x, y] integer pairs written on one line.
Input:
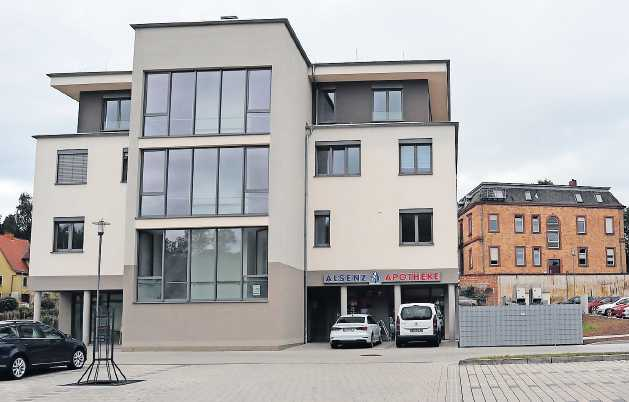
{"points": [[72, 84]]}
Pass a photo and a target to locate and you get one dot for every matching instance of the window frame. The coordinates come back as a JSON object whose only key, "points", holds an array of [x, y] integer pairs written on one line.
{"points": [[322, 213], [415, 143], [587, 257], [245, 105], [470, 225], [538, 249], [330, 145], [537, 218], [515, 224], [61, 152], [528, 196], [387, 90], [497, 248], [244, 189], [118, 100], [515, 256], [578, 198], [584, 220], [613, 255], [470, 261], [598, 197], [72, 221], [558, 231], [416, 212], [189, 300], [613, 231], [489, 216]]}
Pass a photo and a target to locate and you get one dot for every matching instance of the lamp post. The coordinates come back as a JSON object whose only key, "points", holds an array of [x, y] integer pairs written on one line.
{"points": [[98, 358]]}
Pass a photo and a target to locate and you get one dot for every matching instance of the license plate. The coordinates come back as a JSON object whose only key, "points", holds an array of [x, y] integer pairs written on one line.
{"points": [[417, 330], [348, 329]]}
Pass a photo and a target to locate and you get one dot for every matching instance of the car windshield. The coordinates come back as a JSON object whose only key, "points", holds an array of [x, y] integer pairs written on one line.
{"points": [[351, 320], [416, 313]]}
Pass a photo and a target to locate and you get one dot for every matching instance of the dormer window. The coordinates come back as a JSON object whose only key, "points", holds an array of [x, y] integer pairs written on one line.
{"points": [[499, 194], [599, 198], [578, 197], [527, 196]]}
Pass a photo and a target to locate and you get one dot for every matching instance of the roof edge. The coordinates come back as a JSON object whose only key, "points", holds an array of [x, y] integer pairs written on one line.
{"points": [[231, 22], [491, 183], [88, 73], [382, 62]]}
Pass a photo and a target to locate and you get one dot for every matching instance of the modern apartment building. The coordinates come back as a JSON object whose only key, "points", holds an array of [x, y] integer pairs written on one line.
{"points": [[253, 195], [539, 229]]}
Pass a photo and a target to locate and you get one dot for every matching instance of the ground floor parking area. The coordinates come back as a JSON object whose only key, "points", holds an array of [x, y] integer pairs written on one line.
{"points": [[314, 372]]}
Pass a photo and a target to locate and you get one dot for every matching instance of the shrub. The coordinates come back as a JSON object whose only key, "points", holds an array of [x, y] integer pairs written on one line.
{"points": [[8, 304], [47, 304]]}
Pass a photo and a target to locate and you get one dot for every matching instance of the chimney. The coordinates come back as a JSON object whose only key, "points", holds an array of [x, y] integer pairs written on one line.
{"points": [[572, 183]]}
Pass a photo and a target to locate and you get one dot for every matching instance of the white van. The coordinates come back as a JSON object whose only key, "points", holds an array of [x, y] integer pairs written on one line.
{"points": [[418, 322]]}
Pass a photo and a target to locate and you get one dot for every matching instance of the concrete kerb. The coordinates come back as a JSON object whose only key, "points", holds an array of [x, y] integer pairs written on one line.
{"points": [[545, 359]]}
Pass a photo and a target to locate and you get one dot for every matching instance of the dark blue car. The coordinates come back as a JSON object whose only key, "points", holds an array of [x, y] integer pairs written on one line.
{"points": [[25, 345]]}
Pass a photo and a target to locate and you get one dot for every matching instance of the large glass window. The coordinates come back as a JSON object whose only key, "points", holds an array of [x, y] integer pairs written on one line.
{"points": [[68, 234], [553, 232], [609, 225], [537, 256], [494, 226], [150, 253], [117, 114], [518, 224], [230, 178], [387, 105], [416, 156], [205, 181], [215, 264], [535, 224], [182, 103], [208, 102], [179, 182], [610, 257], [322, 229], [494, 256], [326, 106], [342, 159], [583, 256], [415, 227], [153, 183], [581, 225]]}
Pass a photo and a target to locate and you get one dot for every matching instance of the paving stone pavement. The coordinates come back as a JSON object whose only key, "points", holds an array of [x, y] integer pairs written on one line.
{"points": [[584, 381], [317, 373]]}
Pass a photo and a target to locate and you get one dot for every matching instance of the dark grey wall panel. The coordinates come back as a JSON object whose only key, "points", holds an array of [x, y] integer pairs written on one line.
{"points": [[354, 100], [91, 109]]}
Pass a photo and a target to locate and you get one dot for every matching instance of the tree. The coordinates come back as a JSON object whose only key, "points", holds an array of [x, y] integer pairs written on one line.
{"points": [[24, 216], [545, 180], [10, 225], [21, 221]]}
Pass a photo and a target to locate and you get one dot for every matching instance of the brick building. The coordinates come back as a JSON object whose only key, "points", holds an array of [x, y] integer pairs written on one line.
{"points": [[538, 229]]}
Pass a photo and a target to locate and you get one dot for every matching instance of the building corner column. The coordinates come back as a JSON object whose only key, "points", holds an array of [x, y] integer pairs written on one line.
{"points": [[451, 318], [36, 305], [86, 316], [397, 299], [343, 300]]}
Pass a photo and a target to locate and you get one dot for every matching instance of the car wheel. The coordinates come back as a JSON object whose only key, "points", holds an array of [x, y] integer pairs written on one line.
{"points": [[398, 344], [435, 341], [78, 360], [371, 342], [608, 312], [333, 345], [18, 367]]}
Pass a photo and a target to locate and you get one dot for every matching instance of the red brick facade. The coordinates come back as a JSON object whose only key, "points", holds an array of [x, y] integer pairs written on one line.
{"points": [[476, 240]]}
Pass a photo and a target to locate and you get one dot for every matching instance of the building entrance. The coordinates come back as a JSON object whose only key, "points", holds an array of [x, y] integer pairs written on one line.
{"points": [[324, 307]]}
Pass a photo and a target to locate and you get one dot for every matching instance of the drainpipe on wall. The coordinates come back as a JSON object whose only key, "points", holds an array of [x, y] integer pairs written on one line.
{"points": [[308, 132]]}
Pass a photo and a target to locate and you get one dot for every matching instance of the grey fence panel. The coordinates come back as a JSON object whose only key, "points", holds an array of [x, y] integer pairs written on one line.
{"points": [[516, 325]]}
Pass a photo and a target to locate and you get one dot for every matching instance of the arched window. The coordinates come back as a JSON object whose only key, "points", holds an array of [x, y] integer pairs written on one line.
{"points": [[552, 232]]}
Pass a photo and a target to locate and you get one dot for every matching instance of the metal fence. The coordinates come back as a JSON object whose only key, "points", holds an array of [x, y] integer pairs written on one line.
{"points": [[520, 325]]}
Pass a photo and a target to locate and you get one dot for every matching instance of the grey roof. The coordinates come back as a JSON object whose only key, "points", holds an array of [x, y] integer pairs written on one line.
{"points": [[541, 194]]}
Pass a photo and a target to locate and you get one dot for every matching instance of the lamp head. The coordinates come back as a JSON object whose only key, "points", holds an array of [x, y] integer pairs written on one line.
{"points": [[100, 226]]}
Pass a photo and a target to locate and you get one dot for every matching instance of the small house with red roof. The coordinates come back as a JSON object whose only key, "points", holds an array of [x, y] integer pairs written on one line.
{"points": [[14, 258]]}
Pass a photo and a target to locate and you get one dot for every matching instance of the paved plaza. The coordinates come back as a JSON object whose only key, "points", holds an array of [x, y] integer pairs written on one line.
{"points": [[314, 372]]}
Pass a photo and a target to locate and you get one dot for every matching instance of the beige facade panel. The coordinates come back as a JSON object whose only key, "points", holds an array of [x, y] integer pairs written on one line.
{"points": [[364, 210], [102, 197], [198, 222], [230, 46], [81, 282], [204, 141], [72, 84], [278, 322]]}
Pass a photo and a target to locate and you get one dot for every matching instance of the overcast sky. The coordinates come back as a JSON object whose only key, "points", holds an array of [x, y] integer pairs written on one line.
{"points": [[541, 88]]}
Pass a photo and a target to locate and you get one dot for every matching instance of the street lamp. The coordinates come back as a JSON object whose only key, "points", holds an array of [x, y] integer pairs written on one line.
{"points": [[101, 339]]}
